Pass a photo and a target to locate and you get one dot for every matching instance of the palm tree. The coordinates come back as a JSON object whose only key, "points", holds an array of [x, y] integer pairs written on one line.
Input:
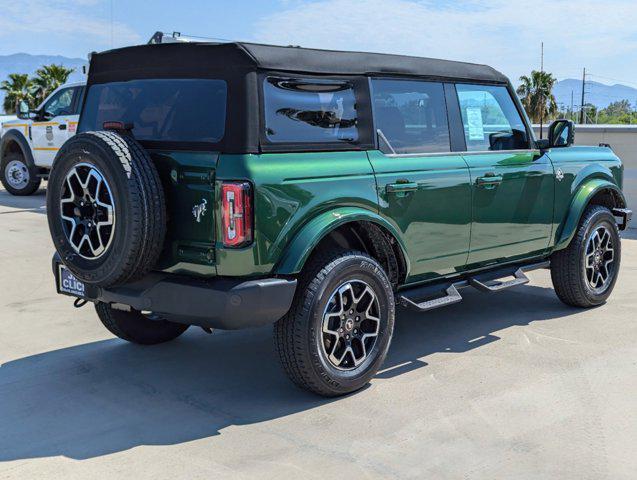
{"points": [[18, 88], [536, 93], [48, 78]]}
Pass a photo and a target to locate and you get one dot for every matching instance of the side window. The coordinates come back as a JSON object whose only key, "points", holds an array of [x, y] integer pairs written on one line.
{"points": [[490, 119], [77, 101], [412, 115], [60, 104], [304, 110]]}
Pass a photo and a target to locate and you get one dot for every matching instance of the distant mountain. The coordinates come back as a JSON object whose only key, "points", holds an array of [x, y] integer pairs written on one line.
{"points": [[598, 94], [25, 63]]}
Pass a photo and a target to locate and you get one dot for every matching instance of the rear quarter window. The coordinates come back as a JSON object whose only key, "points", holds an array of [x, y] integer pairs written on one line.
{"points": [[311, 111], [171, 110]]}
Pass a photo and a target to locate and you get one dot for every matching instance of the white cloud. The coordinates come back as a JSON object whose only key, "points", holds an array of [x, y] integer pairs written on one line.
{"points": [[86, 21], [502, 33]]}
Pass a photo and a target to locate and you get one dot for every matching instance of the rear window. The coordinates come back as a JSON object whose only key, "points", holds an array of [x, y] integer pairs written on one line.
{"points": [[304, 110], [171, 110]]}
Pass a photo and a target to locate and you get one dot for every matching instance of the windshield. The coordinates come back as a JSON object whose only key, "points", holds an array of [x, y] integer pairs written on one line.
{"points": [[170, 110]]}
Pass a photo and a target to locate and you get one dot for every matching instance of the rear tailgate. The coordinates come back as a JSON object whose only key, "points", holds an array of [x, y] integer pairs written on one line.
{"points": [[188, 181]]}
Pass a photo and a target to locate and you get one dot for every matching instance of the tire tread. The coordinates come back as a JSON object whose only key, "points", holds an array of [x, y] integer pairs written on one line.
{"points": [[291, 332], [566, 273]]}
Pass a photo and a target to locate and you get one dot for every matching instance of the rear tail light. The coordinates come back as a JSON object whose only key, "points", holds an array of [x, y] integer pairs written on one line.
{"points": [[236, 205]]}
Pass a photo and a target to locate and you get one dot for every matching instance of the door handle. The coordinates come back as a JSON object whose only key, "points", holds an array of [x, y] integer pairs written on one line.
{"points": [[490, 180], [402, 187], [62, 126]]}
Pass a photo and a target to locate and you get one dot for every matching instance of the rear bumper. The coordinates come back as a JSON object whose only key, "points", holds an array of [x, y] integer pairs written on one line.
{"points": [[218, 303]]}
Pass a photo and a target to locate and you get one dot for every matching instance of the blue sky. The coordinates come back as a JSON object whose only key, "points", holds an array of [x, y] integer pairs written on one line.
{"points": [[502, 33]]}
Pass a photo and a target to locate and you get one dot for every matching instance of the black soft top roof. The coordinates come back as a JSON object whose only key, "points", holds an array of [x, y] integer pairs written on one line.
{"points": [[206, 59], [239, 64]]}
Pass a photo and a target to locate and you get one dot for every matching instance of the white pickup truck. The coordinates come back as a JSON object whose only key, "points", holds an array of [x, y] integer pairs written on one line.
{"points": [[29, 144]]}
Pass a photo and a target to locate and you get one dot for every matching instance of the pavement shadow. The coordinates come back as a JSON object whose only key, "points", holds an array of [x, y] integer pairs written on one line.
{"points": [[629, 233], [108, 396], [32, 203]]}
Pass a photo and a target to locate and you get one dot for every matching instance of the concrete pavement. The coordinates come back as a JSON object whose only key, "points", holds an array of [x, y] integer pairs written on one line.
{"points": [[511, 385]]}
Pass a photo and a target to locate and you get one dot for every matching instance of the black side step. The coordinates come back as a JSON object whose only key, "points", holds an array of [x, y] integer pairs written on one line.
{"points": [[489, 281], [492, 286], [452, 296]]}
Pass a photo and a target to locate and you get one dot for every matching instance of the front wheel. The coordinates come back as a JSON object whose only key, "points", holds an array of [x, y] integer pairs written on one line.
{"points": [[584, 273], [18, 177], [138, 327], [337, 333]]}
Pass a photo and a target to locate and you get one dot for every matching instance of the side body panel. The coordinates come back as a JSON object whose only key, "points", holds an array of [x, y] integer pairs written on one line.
{"points": [[290, 190], [583, 172], [434, 219], [17, 126], [513, 216], [49, 136]]}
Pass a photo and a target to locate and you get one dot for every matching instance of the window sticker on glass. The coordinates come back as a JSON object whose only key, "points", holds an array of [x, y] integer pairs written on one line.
{"points": [[474, 122]]}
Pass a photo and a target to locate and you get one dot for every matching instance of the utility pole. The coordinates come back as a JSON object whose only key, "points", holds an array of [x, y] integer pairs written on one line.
{"points": [[581, 115], [572, 105], [542, 90]]}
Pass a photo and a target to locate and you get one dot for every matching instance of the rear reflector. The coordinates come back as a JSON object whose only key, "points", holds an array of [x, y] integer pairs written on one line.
{"points": [[236, 205], [111, 125]]}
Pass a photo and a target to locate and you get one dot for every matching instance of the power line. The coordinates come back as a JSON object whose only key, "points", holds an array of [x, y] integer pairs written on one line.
{"points": [[612, 79]]}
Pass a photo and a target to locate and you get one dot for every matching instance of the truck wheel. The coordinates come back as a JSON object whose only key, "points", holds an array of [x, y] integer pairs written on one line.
{"points": [[584, 273], [106, 208], [18, 177], [336, 335], [137, 327]]}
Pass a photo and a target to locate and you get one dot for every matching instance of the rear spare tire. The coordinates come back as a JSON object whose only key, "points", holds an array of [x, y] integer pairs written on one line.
{"points": [[106, 208]]}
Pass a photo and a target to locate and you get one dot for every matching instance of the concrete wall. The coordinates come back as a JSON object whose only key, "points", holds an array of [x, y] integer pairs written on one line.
{"points": [[623, 140]]}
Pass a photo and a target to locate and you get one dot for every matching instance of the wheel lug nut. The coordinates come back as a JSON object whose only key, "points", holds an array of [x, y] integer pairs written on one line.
{"points": [[340, 330], [351, 311], [347, 337], [358, 319], [355, 331]]}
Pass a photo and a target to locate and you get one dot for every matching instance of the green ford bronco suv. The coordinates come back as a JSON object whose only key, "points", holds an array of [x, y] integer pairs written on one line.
{"points": [[237, 185]]}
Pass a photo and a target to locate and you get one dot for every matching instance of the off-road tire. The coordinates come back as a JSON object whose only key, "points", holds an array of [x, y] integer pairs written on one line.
{"points": [[136, 327], [140, 209], [567, 265], [297, 335], [33, 183]]}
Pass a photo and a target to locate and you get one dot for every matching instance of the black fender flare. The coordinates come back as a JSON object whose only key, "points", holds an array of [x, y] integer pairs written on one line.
{"points": [[16, 136]]}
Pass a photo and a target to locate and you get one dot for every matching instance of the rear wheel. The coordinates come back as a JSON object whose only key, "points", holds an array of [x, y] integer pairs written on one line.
{"points": [[138, 327], [584, 273], [337, 333], [18, 177]]}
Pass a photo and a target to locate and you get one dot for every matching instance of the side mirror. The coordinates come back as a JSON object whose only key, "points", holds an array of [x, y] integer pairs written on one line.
{"points": [[22, 109], [561, 134]]}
